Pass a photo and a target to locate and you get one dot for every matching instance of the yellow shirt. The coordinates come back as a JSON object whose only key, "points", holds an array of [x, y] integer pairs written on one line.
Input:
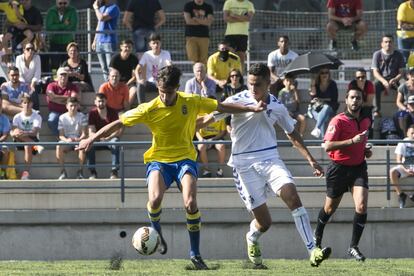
{"points": [[10, 13], [238, 8], [213, 129], [172, 127], [405, 13], [410, 61], [221, 69]]}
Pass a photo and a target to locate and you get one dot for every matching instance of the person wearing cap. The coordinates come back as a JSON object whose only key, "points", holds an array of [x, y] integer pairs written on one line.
{"points": [[403, 118], [25, 128], [57, 93]]}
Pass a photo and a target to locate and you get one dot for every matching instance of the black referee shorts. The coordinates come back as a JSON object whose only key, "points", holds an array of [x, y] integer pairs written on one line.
{"points": [[340, 178]]}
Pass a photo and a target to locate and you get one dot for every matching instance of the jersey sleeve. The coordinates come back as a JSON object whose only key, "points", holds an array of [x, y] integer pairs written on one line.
{"points": [[207, 105], [332, 133], [400, 149], [135, 116], [280, 115]]}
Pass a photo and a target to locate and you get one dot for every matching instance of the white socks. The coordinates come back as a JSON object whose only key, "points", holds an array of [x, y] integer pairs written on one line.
{"points": [[254, 234], [303, 226]]}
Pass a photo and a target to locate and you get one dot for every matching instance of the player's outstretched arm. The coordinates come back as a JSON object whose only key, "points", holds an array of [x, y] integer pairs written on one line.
{"points": [[297, 140], [224, 107], [107, 130]]}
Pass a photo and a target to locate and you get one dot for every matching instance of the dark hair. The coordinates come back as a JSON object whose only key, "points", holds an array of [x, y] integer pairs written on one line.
{"points": [[241, 79], [354, 88], [154, 37], [362, 70], [283, 36], [169, 76], [27, 97], [12, 68], [101, 96], [72, 100], [126, 41], [390, 36], [224, 42], [260, 69]]}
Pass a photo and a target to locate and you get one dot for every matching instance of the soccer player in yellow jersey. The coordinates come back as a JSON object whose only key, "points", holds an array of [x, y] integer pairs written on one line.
{"points": [[172, 157]]}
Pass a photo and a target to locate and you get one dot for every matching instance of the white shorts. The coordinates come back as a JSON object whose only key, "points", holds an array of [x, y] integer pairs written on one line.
{"points": [[401, 171], [258, 180]]}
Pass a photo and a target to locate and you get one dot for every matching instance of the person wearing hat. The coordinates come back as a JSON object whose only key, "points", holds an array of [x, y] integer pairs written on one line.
{"points": [[404, 117], [57, 93]]}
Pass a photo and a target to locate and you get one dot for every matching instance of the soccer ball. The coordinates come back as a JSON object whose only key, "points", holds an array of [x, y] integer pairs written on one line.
{"points": [[146, 240]]}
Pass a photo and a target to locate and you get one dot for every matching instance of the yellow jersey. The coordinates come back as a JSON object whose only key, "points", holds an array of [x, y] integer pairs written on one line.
{"points": [[406, 14], [213, 129], [172, 127], [10, 13]]}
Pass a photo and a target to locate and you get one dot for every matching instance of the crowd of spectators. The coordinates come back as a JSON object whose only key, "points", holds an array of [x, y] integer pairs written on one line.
{"points": [[130, 68]]}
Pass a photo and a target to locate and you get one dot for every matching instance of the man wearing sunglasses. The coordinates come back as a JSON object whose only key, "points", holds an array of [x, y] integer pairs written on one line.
{"points": [[64, 18], [365, 85]]}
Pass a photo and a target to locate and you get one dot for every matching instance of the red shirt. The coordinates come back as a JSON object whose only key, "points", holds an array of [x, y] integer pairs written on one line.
{"points": [[345, 8], [368, 88], [342, 127], [98, 122], [70, 91]]}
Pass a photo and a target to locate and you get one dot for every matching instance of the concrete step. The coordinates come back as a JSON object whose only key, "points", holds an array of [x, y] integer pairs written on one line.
{"points": [[212, 193]]}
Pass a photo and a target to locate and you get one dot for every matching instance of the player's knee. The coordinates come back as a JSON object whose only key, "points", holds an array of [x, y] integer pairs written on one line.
{"points": [[154, 201], [190, 205], [361, 208], [264, 225]]}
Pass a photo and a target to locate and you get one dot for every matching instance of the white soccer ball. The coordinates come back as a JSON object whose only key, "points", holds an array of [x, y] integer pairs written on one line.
{"points": [[146, 240]]}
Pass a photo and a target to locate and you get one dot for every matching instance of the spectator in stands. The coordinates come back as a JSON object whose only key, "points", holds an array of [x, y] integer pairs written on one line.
{"points": [[405, 96], [238, 14], [61, 17], [77, 69], [387, 66], [4, 134], [405, 28], [116, 92], [234, 85], [126, 62], [105, 43], [30, 70], [198, 17], [15, 24], [12, 92], [289, 96], [324, 101], [213, 132], [25, 128], [366, 86], [277, 61], [99, 117], [57, 94], [404, 153], [345, 14], [201, 84], [143, 17], [221, 63], [73, 127], [149, 65]]}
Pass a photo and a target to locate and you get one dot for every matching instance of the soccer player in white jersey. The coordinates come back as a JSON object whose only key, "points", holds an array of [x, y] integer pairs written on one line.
{"points": [[257, 167]]}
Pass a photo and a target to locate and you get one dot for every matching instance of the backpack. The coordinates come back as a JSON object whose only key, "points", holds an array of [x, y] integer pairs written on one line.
{"points": [[388, 129]]}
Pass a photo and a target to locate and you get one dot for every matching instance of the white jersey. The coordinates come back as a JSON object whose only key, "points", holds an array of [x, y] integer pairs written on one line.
{"points": [[279, 61], [253, 134]]}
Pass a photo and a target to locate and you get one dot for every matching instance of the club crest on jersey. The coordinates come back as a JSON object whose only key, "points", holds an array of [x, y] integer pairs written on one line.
{"points": [[184, 110], [268, 111], [331, 129]]}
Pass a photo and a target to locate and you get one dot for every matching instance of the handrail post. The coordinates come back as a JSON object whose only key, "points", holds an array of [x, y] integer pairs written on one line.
{"points": [[388, 177], [89, 36], [122, 171]]}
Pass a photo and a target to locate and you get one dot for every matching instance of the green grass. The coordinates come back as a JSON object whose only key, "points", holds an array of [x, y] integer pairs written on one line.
{"points": [[333, 267]]}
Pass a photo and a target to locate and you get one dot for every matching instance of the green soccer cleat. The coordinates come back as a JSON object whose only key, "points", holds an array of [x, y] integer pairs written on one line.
{"points": [[253, 252], [319, 255]]}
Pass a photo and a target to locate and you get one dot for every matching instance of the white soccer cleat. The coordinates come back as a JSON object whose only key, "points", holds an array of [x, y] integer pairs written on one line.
{"points": [[253, 252]]}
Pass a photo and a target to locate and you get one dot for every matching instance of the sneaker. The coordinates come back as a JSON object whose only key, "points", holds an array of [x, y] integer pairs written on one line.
{"points": [[80, 174], [206, 173], [37, 150], [253, 252], [316, 132], [411, 197], [318, 255], [219, 173], [354, 252], [198, 263], [401, 199], [354, 45], [63, 175], [93, 175], [162, 247], [332, 44], [114, 174], [25, 175]]}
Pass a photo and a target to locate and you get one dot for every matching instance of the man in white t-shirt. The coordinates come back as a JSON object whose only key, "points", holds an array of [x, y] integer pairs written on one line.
{"points": [[257, 167], [73, 127], [149, 65], [277, 61], [404, 153], [25, 128]]}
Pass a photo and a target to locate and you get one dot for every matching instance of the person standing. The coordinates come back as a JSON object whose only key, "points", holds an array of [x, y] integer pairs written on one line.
{"points": [[172, 157], [405, 29], [106, 38], [198, 17], [238, 14], [345, 141]]}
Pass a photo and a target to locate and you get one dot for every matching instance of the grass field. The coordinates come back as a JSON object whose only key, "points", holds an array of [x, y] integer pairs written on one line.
{"points": [[334, 267]]}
